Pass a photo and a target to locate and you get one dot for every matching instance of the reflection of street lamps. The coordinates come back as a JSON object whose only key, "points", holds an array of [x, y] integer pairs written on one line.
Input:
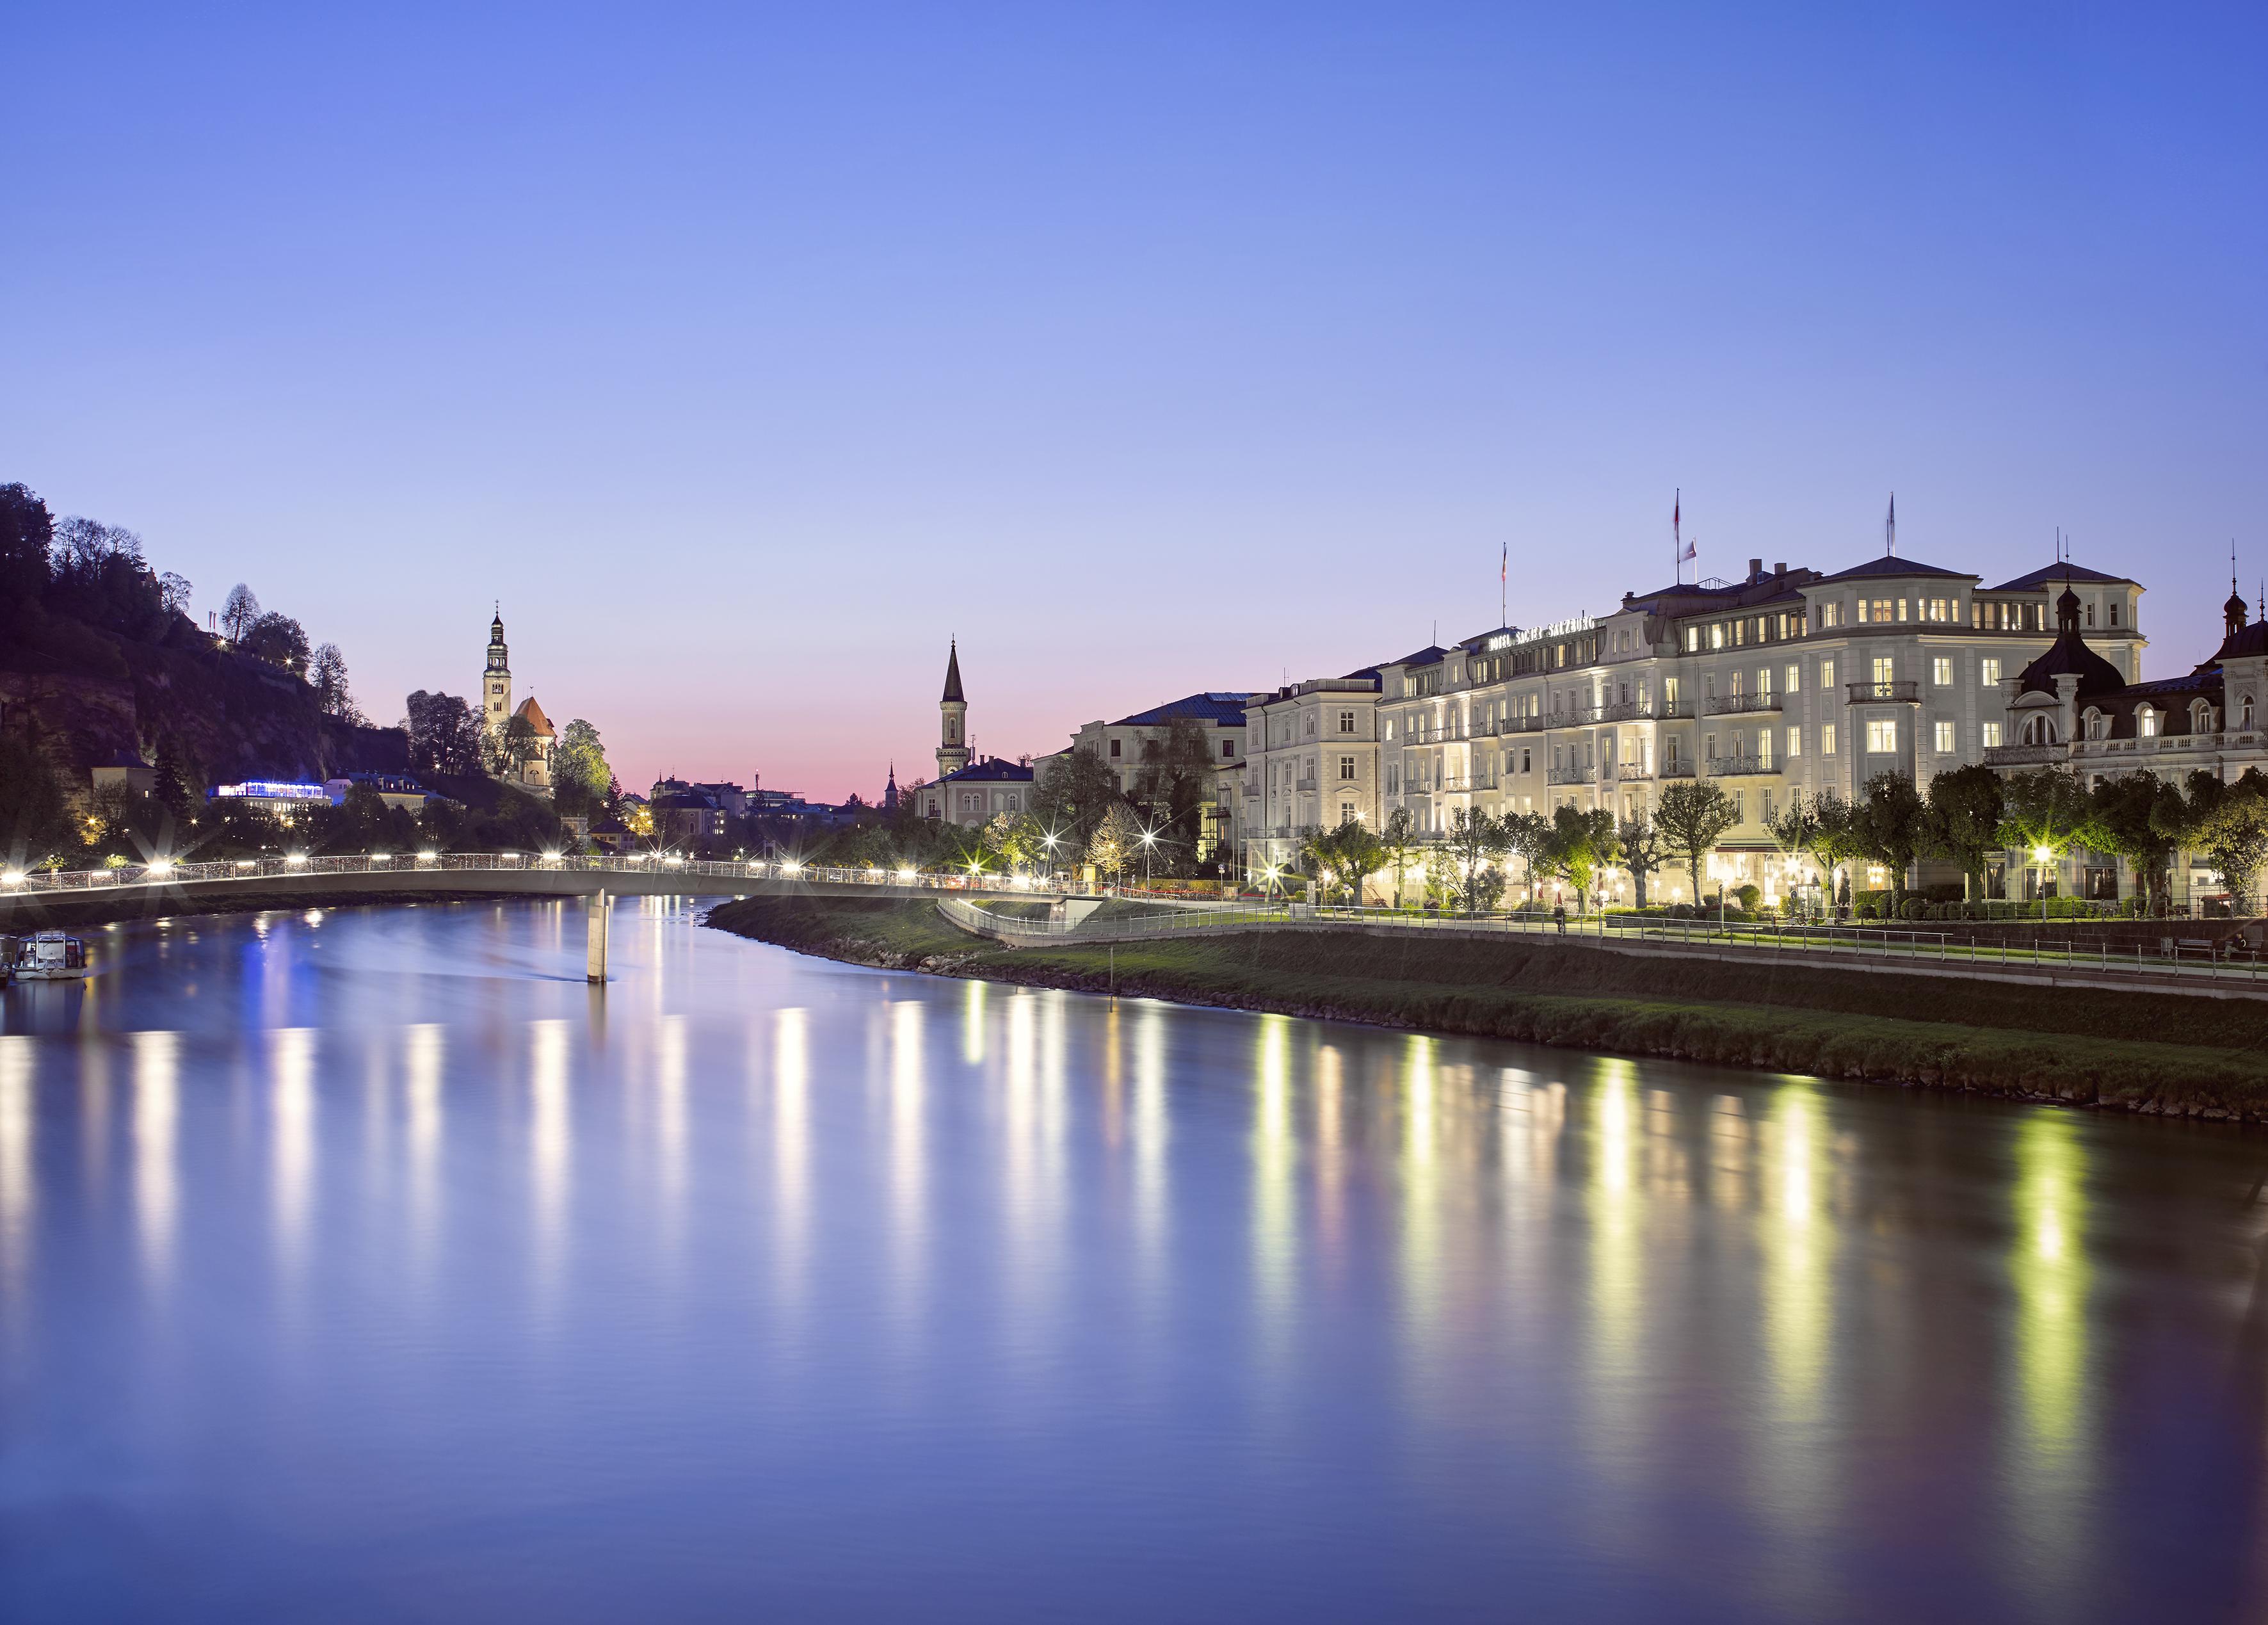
{"points": [[2040, 855]]}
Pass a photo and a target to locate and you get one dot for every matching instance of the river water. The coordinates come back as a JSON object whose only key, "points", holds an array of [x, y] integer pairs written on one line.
{"points": [[364, 1265]]}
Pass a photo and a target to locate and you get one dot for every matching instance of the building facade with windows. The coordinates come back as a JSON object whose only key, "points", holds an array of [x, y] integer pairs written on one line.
{"points": [[1219, 716], [1311, 762], [1787, 680]]}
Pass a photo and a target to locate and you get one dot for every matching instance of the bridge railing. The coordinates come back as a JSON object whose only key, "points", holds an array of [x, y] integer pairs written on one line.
{"points": [[162, 871]]}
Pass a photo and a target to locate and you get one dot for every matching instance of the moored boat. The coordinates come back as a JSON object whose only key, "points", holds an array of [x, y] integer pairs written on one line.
{"points": [[49, 956]]}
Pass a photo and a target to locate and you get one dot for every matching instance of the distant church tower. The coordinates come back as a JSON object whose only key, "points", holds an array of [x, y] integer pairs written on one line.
{"points": [[496, 682], [890, 791], [952, 749]]}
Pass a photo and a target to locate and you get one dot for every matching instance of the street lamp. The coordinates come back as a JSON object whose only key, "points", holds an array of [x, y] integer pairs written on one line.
{"points": [[2040, 855], [1149, 841]]}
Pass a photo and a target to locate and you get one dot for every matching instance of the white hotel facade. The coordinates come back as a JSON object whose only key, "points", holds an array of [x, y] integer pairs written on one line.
{"points": [[1790, 679]]}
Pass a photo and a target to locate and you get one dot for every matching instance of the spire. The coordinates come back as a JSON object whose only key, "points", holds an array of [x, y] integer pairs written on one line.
{"points": [[953, 674]]}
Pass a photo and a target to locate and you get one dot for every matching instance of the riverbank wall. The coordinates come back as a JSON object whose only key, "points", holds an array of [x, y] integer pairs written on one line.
{"points": [[2148, 1051]]}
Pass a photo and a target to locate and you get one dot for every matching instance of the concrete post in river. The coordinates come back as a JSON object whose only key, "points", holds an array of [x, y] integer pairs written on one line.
{"points": [[594, 959]]}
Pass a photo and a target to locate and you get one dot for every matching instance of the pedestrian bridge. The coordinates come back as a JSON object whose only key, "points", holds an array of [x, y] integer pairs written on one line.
{"points": [[188, 886]]}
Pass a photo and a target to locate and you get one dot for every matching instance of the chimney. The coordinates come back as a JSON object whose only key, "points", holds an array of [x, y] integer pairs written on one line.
{"points": [[1780, 569], [1756, 569]]}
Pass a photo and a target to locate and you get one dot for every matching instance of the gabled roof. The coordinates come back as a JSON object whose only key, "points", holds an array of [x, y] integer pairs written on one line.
{"points": [[952, 672], [2059, 573], [1891, 565], [1222, 708], [536, 720]]}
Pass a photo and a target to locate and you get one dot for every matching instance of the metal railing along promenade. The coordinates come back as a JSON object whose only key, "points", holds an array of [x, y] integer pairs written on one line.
{"points": [[164, 872], [2225, 967]]}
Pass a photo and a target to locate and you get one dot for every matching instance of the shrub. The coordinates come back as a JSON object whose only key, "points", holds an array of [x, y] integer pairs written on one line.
{"points": [[1913, 908], [1748, 894]]}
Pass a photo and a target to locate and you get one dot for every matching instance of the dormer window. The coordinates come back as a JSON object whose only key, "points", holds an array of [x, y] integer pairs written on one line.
{"points": [[2145, 723], [2094, 723], [2246, 713]]}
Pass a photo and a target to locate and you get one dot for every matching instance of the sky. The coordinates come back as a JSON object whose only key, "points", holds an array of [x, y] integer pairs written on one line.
{"points": [[746, 354]]}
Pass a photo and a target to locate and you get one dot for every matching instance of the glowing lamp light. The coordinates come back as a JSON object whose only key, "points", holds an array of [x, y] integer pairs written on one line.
{"points": [[905, 874], [160, 867], [673, 861], [551, 857], [427, 857], [13, 877], [295, 858], [2041, 854], [791, 867]]}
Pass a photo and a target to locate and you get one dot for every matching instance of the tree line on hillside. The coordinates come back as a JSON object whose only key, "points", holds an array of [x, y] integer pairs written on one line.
{"points": [[61, 577], [1966, 817]]}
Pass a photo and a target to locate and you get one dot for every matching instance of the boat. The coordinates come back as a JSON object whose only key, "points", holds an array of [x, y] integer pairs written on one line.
{"points": [[49, 956]]}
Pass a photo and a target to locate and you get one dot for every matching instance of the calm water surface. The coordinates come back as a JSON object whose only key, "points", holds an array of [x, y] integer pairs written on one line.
{"points": [[365, 1266]]}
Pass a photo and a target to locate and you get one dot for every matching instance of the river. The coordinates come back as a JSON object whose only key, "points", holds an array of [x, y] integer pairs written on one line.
{"points": [[364, 1265]]}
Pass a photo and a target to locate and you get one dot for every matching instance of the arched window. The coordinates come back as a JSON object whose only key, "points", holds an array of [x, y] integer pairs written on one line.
{"points": [[2094, 723], [2246, 713], [2040, 729], [2200, 717], [2146, 723]]}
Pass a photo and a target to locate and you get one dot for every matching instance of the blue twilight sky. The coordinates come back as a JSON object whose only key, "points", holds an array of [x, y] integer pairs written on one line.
{"points": [[746, 352]]}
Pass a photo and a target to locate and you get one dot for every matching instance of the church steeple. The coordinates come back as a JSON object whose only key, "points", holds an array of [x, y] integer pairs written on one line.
{"points": [[953, 719], [496, 681]]}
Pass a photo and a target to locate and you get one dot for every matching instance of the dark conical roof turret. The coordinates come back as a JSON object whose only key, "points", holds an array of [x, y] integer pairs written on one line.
{"points": [[953, 674], [2069, 656]]}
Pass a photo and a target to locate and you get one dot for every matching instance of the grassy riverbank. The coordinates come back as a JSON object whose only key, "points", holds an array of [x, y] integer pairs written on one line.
{"points": [[2205, 1057]]}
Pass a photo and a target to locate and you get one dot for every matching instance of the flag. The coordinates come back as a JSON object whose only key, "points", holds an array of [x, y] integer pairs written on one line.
{"points": [[1504, 566]]}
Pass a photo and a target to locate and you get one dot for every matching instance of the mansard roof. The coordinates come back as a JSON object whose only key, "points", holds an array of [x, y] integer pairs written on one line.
{"points": [[1222, 708], [1430, 655], [1891, 567]]}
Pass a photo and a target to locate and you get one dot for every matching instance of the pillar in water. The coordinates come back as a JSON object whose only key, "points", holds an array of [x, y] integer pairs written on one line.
{"points": [[595, 962]]}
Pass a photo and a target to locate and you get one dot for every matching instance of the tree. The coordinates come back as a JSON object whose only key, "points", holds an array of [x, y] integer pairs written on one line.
{"points": [[2043, 812], [445, 735], [1473, 842], [1963, 820], [1835, 840], [579, 764], [520, 746], [175, 791], [327, 672], [1581, 842], [279, 641], [2143, 819], [1169, 784], [35, 825], [176, 592], [1357, 853], [27, 531], [239, 613], [1015, 838], [1691, 814], [1528, 836], [1072, 794], [1889, 824], [1795, 828], [1642, 851], [2233, 837], [1398, 847], [1116, 840]]}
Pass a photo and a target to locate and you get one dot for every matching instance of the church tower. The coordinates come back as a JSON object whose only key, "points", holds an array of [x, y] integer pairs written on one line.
{"points": [[952, 747], [496, 682]]}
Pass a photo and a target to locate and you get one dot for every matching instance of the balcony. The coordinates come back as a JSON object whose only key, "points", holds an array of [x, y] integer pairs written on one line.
{"points": [[1737, 705], [1630, 771], [1303, 784], [2022, 756], [1454, 783], [1674, 770], [1740, 766], [1569, 775], [1885, 693], [1583, 717]]}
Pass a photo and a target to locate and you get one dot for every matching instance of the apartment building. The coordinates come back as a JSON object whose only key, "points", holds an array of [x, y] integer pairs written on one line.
{"points": [[1788, 679], [1310, 761], [1218, 715]]}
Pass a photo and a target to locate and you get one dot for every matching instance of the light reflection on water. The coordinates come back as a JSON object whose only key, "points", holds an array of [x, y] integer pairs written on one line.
{"points": [[373, 1257]]}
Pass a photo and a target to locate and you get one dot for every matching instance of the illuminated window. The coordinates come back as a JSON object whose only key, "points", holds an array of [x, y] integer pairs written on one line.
{"points": [[1988, 673], [1827, 739], [1945, 738], [1883, 736], [1794, 676], [1941, 671], [1794, 742], [1992, 736], [2145, 723]]}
